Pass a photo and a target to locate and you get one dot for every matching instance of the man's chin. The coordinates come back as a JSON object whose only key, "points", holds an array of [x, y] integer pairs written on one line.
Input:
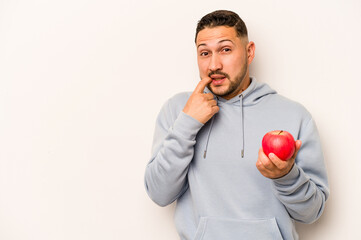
{"points": [[219, 92]]}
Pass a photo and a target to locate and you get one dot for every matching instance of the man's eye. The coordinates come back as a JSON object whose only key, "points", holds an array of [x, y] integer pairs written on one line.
{"points": [[203, 54], [226, 49]]}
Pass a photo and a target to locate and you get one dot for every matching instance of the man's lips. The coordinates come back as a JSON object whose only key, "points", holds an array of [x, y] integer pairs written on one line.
{"points": [[217, 79]]}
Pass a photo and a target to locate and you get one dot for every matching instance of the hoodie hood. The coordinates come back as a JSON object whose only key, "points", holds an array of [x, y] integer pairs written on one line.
{"points": [[251, 96]]}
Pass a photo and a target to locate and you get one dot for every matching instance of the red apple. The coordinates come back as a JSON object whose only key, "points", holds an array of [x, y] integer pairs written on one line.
{"points": [[280, 143]]}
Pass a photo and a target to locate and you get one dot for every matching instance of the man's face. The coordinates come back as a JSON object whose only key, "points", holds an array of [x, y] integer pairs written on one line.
{"points": [[224, 57]]}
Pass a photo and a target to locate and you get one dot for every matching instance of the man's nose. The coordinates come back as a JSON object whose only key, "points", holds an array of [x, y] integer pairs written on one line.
{"points": [[215, 63]]}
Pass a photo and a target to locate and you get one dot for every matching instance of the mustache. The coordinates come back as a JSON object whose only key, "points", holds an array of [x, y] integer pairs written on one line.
{"points": [[219, 73]]}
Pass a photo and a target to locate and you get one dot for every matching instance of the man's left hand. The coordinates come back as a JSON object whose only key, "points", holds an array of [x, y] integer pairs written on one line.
{"points": [[272, 167]]}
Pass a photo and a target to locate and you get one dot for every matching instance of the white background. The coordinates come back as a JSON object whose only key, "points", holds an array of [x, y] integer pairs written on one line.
{"points": [[81, 83]]}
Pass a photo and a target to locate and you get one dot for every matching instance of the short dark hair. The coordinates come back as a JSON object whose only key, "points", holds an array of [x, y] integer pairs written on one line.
{"points": [[222, 18]]}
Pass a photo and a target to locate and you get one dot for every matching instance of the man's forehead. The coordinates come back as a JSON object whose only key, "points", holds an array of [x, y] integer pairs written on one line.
{"points": [[216, 34]]}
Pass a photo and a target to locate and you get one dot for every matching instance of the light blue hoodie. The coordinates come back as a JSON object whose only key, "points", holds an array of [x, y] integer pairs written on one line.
{"points": [[211, 169]]}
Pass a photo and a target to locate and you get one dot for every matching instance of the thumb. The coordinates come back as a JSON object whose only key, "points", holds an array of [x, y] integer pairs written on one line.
{"points": [[202, 85], [298, 144]]}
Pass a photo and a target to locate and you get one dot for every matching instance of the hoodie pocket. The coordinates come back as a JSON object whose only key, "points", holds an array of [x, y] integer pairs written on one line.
{"points": [[214, 228]]}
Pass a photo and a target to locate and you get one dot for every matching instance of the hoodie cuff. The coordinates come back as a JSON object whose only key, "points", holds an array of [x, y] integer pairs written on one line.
{"points": [[290, 178], [187, 126]]}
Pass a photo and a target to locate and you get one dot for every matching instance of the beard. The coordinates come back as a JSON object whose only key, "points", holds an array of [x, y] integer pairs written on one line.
{"points": [[234, 84]]}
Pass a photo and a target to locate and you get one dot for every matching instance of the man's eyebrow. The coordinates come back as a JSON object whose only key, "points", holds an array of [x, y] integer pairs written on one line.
{"points": [[224, 40], [202, 44]]}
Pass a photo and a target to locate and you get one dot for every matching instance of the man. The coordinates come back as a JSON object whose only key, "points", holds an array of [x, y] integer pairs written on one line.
{"points": [[206, 152]]}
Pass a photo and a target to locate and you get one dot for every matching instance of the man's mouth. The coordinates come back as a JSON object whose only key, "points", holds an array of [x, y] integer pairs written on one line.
{"points": [[217, 79]]}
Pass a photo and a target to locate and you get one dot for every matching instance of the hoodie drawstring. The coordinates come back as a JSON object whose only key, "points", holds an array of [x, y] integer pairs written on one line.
{"points": [[242, 124], [209, 131]]}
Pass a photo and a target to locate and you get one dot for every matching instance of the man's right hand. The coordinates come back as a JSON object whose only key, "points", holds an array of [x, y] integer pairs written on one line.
{"points": [[200, 105]]}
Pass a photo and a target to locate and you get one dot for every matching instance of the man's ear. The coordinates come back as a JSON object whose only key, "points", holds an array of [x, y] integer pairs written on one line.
{"points": [[251, 48]]}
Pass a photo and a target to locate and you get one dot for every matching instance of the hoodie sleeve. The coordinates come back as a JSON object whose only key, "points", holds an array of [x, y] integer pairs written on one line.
{"points": [[172, 152], [304, 189]]}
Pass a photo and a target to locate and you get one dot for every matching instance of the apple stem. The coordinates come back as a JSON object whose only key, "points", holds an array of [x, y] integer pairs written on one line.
{"points": [[280, 132]]}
